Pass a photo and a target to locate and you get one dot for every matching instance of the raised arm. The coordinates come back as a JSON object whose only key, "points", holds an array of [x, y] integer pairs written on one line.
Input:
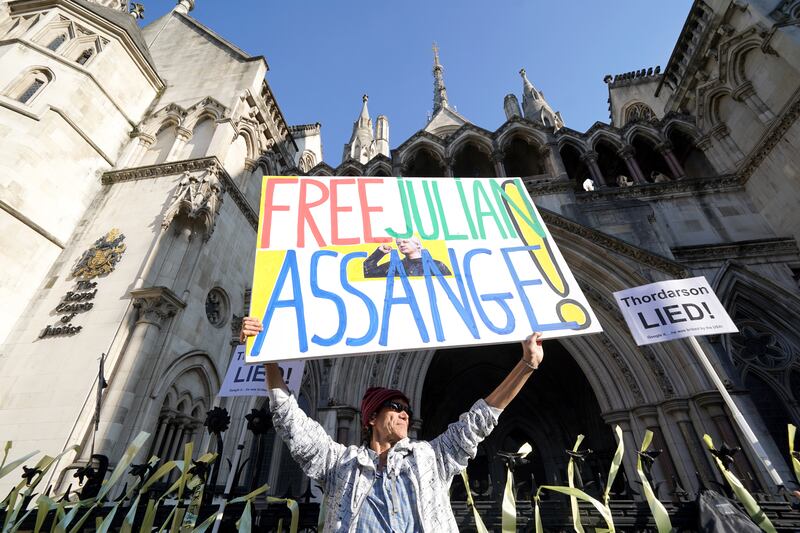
{"points": [[532, 355], [371, 267], [310, 446], [459, 442]]}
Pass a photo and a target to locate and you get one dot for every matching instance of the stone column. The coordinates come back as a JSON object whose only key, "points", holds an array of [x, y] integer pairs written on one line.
{"points": [[448, 166], [161, 428], [127, 391], [627, 154], [665, 149], [497, 158], [678, 411], [746, 94], [182, 137], [707, 147], [176, 449], [554, 159], [136, 149], [590, 158], [663, 467], [169, 436], [722, 133]]}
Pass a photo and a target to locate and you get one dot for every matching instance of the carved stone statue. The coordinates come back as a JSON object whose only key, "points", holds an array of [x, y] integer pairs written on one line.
{"points": [[658, 177], [624, 181], [198, 199]]}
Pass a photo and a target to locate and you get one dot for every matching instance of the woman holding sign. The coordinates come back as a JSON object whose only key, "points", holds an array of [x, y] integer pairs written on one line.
{"points": [[390, 483]]}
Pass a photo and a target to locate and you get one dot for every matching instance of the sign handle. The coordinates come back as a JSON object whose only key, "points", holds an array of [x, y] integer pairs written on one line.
{"points": [[737, 414]]}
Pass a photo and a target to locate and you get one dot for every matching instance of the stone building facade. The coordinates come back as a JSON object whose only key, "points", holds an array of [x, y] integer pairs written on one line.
{"points": [[162, 134]]}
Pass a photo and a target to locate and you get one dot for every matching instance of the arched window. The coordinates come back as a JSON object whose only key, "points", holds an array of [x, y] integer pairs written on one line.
{"points": [[307, 161], [522, 158], [472, 162], [57, 41], [29, 86], [201, 138], [425, 163], [638, 111], [85, 56]]}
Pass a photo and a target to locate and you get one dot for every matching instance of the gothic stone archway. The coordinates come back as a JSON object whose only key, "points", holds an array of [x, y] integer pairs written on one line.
{"points": [[555, 406]]}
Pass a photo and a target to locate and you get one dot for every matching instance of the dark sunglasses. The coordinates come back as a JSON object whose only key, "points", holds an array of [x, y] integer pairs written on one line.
{"points": [[398, 407]]}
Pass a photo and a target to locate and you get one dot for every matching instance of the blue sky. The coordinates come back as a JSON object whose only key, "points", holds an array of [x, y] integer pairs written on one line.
{"points": [[323, 55]]}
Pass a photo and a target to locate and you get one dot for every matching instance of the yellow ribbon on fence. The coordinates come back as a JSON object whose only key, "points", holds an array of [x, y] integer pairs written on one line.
{"points": [[573, 502], [245, 521], [795, 460], [509, 517], [44, 505], [579, 494], [6, 448], [479, 526], [747, 500], [13, 511], [293, 508], [8, 468], [615, 464], [660, 515]]}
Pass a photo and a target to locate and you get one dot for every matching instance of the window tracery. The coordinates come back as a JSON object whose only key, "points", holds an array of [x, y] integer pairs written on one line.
{"points": [[638, 111]]}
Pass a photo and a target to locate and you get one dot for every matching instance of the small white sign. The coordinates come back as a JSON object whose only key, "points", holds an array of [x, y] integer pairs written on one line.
{"points": [[251, 380], [673, 309]]}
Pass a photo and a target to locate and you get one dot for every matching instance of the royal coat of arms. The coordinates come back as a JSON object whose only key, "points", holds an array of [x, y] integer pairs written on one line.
{"points": [[102, 257]]}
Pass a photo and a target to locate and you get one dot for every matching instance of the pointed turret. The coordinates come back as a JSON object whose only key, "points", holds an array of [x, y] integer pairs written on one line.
{"points": [[362, 145], [535, 108], [439, 90]]}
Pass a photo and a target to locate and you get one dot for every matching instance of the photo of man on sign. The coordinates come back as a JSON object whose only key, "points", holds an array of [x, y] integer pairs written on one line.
{"points": [[475, 264], [411, 248]]}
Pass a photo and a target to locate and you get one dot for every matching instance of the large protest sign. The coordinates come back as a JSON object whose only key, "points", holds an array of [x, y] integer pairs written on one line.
{"points": [[250, 380], [352, 265], [673, 309]]}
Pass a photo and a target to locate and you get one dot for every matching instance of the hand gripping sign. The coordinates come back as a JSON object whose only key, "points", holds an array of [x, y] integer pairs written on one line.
{"points": [[354, 265]]}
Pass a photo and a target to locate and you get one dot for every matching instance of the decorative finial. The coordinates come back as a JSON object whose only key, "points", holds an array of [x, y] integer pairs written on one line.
{"points": [[364, 98], [184, 6], [436, 55], [136, 11]]}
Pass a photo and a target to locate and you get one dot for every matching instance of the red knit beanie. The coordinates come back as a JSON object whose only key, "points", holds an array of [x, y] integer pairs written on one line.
{"points": [[374, 398]]}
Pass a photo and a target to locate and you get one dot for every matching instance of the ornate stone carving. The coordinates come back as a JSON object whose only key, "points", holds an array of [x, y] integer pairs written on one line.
{"points": [[156, 304], [683, 187], [613, 244], [773, 136], [217, 307], [737, 250], [102, 257], [197, 198], [664, 382], [630, 380], [170, 169]]}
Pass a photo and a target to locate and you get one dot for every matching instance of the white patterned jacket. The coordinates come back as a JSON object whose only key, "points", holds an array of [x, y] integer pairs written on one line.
{"points": [[347, 473]]}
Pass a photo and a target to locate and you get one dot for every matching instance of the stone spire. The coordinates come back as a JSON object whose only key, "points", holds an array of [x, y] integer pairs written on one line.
{"points": [[361, 146], [363, 119], [439, 90], [535, 108]]}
